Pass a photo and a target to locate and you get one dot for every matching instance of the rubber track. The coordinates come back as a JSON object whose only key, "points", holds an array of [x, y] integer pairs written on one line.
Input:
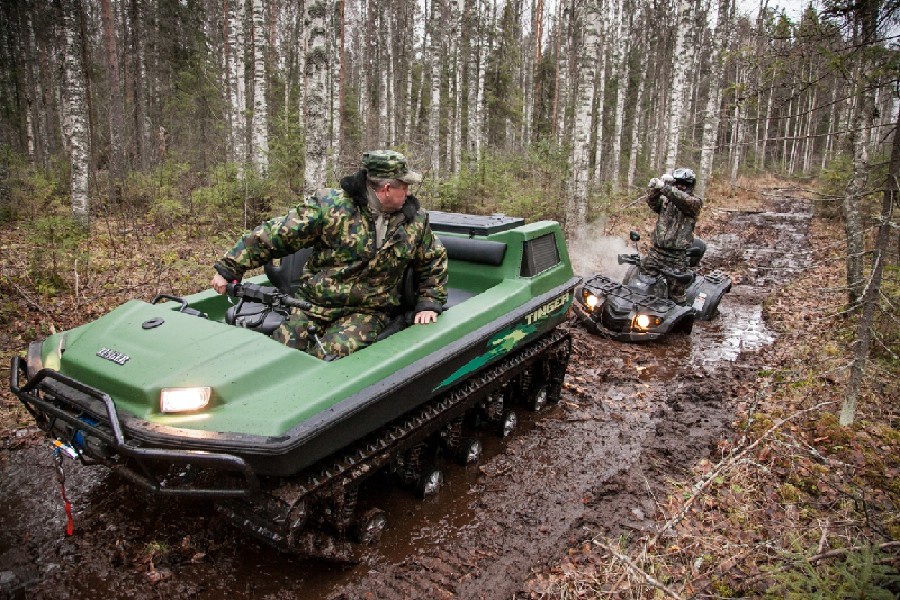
{"points": [[266, 518]]}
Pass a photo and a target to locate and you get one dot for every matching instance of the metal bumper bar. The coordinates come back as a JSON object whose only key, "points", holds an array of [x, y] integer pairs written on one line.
{"points": [[69, 411]]}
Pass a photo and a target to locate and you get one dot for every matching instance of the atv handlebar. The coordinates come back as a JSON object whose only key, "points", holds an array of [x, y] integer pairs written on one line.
{"points": [[630, 259], [265, 295], [635, 259]]}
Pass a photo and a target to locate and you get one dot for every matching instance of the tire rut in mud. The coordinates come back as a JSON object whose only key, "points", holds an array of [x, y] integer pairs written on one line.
{"points": [[631, 417]]}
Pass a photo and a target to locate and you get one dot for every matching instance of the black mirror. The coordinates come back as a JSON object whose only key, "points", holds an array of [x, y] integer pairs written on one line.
{"points": [[634, 235]]}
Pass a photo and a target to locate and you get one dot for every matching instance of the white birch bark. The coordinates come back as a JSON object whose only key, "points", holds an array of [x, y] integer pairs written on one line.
{"points": [[810, 141], [454, 143], [600, 103], [683, 53], [337, 91], [714, 98], [832, 122], [761, 161], [260, 106], [471, 45], [301, 67], [237, 87], [389, 88], [576, 212], [434, 116], [76, 112], [317, 96], [622, 65], [479, 100]]}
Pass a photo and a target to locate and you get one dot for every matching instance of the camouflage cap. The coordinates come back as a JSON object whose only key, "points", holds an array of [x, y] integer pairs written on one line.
{"points": [[387, 164]]}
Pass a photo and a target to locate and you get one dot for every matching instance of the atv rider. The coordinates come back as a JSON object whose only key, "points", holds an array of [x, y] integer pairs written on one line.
{"points": [[670, 196], [363, 237]]}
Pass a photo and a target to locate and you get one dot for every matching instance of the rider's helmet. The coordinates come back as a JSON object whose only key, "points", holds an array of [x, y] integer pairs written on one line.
{"points": [[685, 177]]}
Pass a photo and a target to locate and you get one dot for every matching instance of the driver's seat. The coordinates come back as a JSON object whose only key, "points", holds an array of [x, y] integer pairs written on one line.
{"points": [[286, 275]]}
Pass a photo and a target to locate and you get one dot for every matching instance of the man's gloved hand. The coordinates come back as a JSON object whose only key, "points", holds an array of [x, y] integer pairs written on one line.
{"points": [[668, 179], [656, 184]]}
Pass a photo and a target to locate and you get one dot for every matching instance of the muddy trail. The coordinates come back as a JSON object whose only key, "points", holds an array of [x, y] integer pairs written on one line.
{"points": [[631, 416]]}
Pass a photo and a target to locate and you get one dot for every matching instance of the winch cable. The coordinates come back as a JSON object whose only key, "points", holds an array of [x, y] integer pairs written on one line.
{"points": [[61, 477]]}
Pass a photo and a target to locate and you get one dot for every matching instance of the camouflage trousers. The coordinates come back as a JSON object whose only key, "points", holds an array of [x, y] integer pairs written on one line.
{"points": [[330, 334], [673, 260]]}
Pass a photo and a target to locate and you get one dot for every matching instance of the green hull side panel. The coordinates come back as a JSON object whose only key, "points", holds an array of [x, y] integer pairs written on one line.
{"points": [[260, 387]]}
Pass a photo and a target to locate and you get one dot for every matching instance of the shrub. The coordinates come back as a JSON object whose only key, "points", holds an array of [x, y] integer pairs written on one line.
{"points": [[55, 242]]}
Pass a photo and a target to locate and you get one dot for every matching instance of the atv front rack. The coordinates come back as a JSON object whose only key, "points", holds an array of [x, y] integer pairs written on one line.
{"points": [[602, 285], [80, 416]]}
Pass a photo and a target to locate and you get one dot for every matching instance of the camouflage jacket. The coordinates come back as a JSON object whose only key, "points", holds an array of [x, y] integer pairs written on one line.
{"points": [[346, 270], [678, 213]]}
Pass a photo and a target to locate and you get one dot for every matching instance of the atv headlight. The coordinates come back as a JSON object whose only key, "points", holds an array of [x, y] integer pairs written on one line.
{"points": [[644, 322], [590, 300], [179, 400]]}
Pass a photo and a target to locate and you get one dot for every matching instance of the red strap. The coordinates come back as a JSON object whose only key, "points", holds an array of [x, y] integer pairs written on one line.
{"points": [[70, 522]]}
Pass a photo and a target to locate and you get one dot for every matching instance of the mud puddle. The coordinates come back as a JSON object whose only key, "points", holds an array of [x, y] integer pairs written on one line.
{"points": [[630, 416]]}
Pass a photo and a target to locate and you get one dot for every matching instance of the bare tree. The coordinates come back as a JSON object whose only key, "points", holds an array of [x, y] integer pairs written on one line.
{"points": [[576, 212], [237, 84], [260, 118], [679, 83], [714, 98], [76, 113], [872, 291], [317, 95]]}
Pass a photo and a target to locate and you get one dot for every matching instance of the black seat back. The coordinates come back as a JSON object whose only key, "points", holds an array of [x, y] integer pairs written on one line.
{"points": [[286, 275], [696, 251]]}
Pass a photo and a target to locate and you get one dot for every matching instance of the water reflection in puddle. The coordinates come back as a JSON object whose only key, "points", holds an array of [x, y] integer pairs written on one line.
{"points": [[740, 328]]}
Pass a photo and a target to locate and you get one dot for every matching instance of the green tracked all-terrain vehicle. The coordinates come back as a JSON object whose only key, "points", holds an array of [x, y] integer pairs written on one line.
{"points": [[190, 397]]}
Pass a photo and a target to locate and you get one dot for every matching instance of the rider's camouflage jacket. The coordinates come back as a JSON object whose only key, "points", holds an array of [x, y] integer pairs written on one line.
{"points": [[346, 270], [678, 212]]}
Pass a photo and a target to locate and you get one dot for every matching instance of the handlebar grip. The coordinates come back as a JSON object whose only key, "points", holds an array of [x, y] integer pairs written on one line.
{"points": [[296, 302], [233, 289]]}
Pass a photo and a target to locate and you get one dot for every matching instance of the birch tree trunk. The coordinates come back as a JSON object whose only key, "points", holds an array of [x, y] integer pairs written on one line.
{"points": [[600, 106], [714, 99], [76, 111], [863, 341], [338, 91], [301, 66], [317, 95], [866, 12], [260, 106], [622, 66], [434, 114], [677, 105], [237, 87], [576, 212]]}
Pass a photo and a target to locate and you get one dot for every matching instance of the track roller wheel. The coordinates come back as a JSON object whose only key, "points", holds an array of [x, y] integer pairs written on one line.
{"points": [[539, 397], [469, 451], [508, 424], [430, 483], [370, 526]]}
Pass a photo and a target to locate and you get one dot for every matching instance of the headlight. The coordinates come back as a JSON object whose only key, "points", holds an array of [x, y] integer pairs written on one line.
{"points": [[179, 400], [644, 322], [589, 299]]}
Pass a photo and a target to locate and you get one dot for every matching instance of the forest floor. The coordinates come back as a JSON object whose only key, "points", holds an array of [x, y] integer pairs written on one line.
{"points": [[707, 466]]}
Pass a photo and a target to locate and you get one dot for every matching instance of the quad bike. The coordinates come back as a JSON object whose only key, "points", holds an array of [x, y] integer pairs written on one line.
{"points": [[192, 397], [640, 309]]}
